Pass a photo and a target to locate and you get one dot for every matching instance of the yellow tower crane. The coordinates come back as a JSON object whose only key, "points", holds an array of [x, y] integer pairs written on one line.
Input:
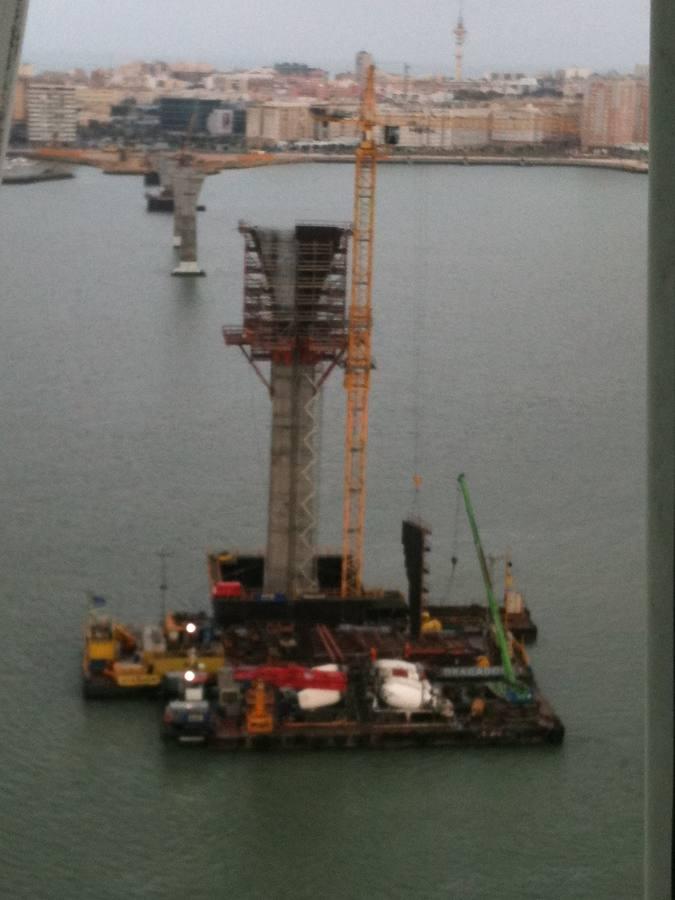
{"points": [[359, 355]]}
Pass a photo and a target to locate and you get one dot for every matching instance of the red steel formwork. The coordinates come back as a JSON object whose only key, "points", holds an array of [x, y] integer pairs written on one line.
{"points": [[313, 328]]}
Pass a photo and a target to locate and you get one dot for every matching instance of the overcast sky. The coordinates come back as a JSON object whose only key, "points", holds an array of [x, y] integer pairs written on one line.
{"points": [[502, 34]]}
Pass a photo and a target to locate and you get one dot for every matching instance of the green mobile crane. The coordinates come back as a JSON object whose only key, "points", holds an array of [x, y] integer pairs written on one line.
{"points": [[515, 691]]}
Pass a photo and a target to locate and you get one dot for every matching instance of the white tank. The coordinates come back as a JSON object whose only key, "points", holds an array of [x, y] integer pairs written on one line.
{"points": [[386, 667], [405, 693], [316, 698]]}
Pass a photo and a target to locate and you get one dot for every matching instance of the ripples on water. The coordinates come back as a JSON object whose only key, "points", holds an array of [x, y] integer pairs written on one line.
{"points": [[510, 344]]}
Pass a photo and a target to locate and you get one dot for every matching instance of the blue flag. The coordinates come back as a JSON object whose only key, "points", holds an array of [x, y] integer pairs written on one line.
{"points": [[97, 601]]}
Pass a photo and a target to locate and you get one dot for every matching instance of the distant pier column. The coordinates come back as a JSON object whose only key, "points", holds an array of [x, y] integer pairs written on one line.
{"points": [[166, 169], [176, 228], [167, 165], [187, 183], [12, 26], [661, 491]]}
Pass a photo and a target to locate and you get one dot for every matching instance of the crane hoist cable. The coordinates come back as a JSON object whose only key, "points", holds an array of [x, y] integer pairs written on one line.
{"points": [[416, 330], [454, 558]]}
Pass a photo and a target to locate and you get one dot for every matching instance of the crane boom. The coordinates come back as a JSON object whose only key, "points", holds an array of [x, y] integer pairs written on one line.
{"points": [[359, 356], [496, 619]]}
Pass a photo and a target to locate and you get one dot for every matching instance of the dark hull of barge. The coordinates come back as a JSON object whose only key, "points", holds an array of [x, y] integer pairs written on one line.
{"points": [[354, 735], [521, 624], [102, 688]]}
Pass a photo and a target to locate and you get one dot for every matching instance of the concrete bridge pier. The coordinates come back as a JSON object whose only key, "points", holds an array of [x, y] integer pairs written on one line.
{"points": [[187, 183]]}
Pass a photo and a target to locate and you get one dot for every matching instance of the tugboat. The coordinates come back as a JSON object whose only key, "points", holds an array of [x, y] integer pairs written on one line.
{"points": [[122, 661], [20, 170], [161, 200], [189, 719], [113, 662]]}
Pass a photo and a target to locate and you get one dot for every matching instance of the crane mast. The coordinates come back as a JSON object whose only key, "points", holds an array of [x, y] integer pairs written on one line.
{"points": [[359, 355]]}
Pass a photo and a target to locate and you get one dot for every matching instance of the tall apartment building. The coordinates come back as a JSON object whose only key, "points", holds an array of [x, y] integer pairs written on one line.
{"points": [[549, 123], [52, 113], [274, 123], [614, 112]]}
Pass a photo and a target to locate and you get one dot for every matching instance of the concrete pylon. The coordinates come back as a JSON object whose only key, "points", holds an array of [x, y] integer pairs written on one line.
{"points": [[295, 318], [166, 169], [291, 521], [187, 183], [167, 165], [292, 515]]}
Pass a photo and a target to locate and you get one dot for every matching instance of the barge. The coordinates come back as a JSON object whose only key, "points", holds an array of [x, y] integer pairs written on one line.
{"points": [[20, 170], [323, 671], [447, 687], [162, 200]]}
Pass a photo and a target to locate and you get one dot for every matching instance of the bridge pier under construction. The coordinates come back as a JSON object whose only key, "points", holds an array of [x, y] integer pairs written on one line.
{"points": [[294, 317]]}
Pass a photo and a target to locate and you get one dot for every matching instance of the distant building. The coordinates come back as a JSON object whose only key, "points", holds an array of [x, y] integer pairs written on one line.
{"points": [[615, 113], [574, 74], [438, 128], [552, 123], [269, 124], [255, 84], [200, 115], [515, 126], [509, 84], [181, 113], [20, 107], [363, 61], [446, 129], [191, 72], [52, 113], [227, 120], [96, 104]]}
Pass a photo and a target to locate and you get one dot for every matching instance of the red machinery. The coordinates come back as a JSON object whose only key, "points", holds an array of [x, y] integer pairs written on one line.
{"points": [[296, 677]]}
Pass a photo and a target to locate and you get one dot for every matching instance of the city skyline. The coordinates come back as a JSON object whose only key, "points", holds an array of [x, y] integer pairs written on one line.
{"points": [[522, 34]]}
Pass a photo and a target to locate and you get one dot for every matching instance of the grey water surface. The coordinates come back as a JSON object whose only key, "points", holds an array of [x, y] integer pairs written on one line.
{"points": [[510, 319]]}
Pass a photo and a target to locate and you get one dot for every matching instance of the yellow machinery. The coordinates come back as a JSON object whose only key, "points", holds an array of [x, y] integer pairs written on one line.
{"points": [[107, 655], [429, 625], [111, 653], [259, 712]]}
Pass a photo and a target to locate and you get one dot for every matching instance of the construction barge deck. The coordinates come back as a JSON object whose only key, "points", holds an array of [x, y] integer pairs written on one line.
{"points": [[264, 672]]}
